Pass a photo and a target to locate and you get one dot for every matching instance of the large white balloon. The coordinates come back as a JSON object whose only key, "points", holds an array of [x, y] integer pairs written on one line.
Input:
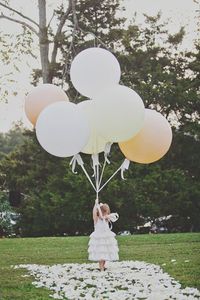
{"points": [[119, 113], [62, 129], [96, 143], [94, 69]]}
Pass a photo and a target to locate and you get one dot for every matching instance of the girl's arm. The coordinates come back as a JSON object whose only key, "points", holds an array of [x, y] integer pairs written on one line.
{"points": [[94, 213]]}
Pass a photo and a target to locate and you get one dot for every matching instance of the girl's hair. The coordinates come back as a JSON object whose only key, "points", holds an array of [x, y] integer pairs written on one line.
{"points": [[105, 209]]}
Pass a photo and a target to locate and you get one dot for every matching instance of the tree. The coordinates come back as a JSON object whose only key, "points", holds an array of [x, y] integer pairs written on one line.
{"points": [[6, 226], [67, 28], [10, 140], [167, 79], [39, 29], [50, 198]]}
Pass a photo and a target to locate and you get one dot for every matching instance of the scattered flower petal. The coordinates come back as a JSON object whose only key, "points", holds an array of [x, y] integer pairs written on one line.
{"points": [[122, 280]]}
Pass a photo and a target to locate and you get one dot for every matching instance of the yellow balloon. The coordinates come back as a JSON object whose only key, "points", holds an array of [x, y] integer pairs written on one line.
{"points": [[40, 97], [96, 143], [119, 113], [152, 142]]}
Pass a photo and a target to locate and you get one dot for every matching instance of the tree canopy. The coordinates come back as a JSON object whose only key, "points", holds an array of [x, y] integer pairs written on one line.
{"points": [[42, 188]]}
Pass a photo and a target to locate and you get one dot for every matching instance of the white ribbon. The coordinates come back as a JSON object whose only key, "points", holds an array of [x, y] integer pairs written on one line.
{"points": [[113, 217], [76, 159], [106, 160], [107, 152], [95, 160], [124, 167], [95, 165]]}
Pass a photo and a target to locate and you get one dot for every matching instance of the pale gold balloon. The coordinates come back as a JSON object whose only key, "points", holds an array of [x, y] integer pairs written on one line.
{"points": [[152, 142], [40, 97], [119, 113], [96, 143]]}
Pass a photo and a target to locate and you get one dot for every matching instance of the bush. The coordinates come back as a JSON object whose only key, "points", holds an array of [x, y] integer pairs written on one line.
{"points": [[6, 213]]}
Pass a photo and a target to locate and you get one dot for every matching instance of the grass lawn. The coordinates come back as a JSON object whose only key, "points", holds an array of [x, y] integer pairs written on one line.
{"points": [[157, 249]]}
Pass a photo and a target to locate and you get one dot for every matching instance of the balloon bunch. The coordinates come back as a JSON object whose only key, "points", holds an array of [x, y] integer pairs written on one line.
{"points": [[112, 114]]}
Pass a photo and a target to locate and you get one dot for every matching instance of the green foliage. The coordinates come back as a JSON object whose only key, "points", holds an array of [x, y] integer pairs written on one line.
{"points": [[53, 200], [12, 49], [49, 197], [159, 71], [6, 227], [95, 19], [153, 191], [10, 140]]}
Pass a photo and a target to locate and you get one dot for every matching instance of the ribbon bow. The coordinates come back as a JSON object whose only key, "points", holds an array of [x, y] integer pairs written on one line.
{"points": [[107, 152], [113, 217], [76, 159], [124, 167]]}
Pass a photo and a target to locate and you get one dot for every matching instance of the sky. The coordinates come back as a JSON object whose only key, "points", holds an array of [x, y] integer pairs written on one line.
{"points": [[180, 12]]}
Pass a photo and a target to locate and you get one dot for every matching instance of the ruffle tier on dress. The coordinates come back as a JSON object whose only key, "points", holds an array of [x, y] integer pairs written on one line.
{"points": [[102, 244]]}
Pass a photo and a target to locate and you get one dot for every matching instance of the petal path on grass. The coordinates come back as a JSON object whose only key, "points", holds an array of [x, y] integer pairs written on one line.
{"points": [[125, 280]]}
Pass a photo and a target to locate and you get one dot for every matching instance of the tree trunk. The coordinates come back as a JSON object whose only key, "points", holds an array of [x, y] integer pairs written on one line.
{"points": [[43, 42]]}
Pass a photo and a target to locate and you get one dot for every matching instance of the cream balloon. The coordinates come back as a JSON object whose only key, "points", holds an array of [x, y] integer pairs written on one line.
{"points": [[119, 113], [62, 129], [93, 69], [40, 97], [152, 142], [96, 143]]}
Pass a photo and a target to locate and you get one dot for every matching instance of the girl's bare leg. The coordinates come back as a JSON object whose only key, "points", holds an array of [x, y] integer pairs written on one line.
{"points": [[101, 267], [104, 262]]}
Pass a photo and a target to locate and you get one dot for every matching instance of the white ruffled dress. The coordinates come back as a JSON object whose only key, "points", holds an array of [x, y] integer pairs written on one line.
{"points": [[102, 244]]}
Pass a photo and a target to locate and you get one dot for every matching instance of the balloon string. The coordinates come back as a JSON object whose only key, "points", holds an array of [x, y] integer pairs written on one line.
{"points": [[95, 166], [110, 178], [77, 158], [88, 177], [97, 177], [97, 181], [102, 172], [106, 160], [123, 166]]}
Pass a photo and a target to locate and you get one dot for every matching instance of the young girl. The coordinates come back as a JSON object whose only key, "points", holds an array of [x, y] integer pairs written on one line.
{"points": [[103, 245]]}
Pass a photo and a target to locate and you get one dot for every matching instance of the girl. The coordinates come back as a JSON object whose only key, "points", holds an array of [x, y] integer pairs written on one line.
{"points": [[103, 245]]}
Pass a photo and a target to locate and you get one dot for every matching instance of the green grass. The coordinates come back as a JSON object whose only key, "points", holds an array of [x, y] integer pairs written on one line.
{"points": [[156, 249]]}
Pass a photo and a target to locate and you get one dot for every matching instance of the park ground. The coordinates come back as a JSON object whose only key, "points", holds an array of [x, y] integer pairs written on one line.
{"points": [[177, 254]]}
